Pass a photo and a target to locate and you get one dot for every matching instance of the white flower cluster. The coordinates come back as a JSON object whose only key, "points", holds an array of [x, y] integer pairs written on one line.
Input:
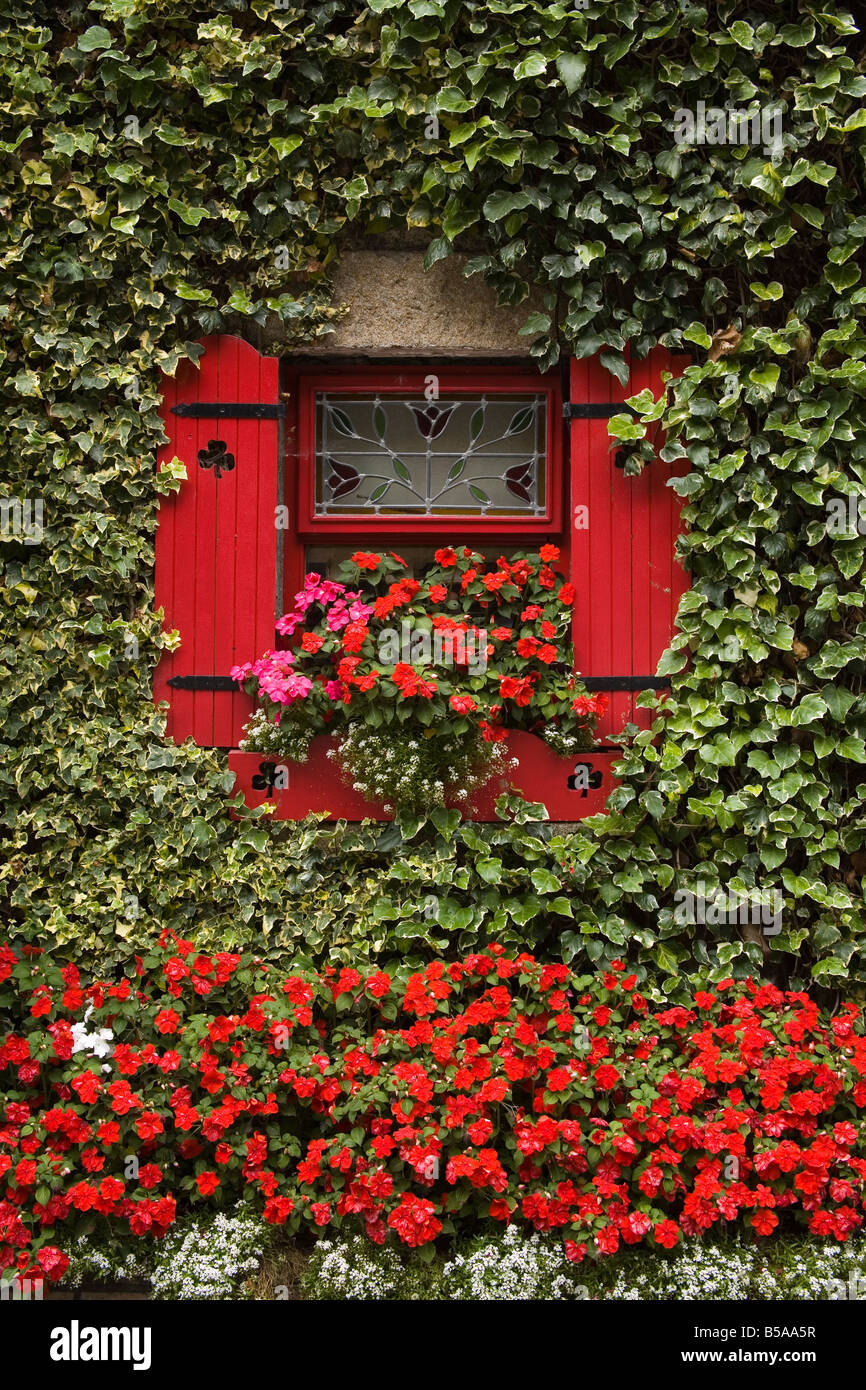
{"points": [[697, 1272], [567, 745], [819, 1271], [90, 1263], [98, 1043], [209, 1259], [513, 1267], [701, 1273], [354, 1269], [286, 740], [416, 772]]}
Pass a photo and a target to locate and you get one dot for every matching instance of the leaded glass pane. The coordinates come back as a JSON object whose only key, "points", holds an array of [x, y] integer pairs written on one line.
{"points": [[481, 455]]}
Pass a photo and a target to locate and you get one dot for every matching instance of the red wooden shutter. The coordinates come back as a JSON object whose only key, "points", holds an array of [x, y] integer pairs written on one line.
{"points": [[628, 580], [216, 544]]}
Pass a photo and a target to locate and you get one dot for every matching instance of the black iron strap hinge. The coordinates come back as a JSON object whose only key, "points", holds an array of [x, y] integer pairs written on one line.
{"points": [[204, 683], [591, 410], [229, 410], [605, 683]]}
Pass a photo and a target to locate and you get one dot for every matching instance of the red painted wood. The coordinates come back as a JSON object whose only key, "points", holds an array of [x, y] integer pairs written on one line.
{"points": [[624, 567], [164, 552], [216, 539], [468, 379], [316, 786], [294, 565]]}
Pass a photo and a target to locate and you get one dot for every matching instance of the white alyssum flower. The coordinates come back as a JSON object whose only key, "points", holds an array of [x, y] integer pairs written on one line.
{"points": [[209, 1259], [91, 1263], [513, 1267], [354, 1269], [708, 1272]]}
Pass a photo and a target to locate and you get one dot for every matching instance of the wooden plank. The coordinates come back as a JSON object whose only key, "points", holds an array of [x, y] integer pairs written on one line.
{"points": [[215, 377], [641, 491], [184, 504], [164, 555]]}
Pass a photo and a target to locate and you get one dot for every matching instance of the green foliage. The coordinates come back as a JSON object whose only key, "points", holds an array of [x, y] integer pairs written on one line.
{"points": [[172, 171]]}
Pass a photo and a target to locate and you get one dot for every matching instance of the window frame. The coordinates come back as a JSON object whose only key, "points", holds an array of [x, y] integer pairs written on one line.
{"points": [[396, 379]]}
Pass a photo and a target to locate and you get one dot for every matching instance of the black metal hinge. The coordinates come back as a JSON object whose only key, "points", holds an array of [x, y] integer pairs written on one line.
{"points": [[625, 682], [229, 410], [204, 683], [589, 410]]}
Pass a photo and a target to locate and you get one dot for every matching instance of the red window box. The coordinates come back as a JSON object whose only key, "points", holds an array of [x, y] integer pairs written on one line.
{"points": [[570, 788]]}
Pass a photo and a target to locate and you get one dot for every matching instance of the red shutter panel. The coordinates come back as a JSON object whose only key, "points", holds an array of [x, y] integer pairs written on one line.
{"points": [[216, 543], [624, 568]]}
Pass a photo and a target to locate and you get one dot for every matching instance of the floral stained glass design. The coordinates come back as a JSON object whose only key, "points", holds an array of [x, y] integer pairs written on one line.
{"points": [[479, 455]]}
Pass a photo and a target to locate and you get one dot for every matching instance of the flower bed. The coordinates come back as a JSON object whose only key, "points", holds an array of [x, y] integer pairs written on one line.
{"points": [[432, 1102]]}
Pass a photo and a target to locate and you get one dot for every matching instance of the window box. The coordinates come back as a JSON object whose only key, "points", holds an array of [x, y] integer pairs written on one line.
{"points": [[299, 789]]}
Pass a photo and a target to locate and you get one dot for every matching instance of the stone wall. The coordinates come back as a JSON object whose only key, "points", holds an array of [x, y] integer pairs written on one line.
{"points": [[398, 308]]}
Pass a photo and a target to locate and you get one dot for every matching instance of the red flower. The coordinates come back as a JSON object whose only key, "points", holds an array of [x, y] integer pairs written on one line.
{"points": [[25, 1172], [312, 642], [606, 1077], [277, 1210], [666, 1233], [354, 636], [415, 1220], [438, 593], [549, 554], [366, 560], [149, 1124], [447, 558], [321, 1213], [462, 704], [607, 1240], [87, 1087], [207, 1183], [52, 1262], [764, 1222]]}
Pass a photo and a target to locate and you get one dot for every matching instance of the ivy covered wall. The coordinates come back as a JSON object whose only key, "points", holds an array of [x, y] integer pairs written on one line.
{"points": [[175, 169]]}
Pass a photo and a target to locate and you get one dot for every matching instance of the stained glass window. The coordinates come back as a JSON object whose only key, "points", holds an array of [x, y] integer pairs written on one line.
{"points": [[480, 455]]}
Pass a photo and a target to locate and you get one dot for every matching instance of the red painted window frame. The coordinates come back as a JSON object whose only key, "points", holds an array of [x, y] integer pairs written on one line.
{"points": [[468, 379]]}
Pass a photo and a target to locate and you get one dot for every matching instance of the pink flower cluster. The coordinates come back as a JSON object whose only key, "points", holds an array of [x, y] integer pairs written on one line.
{"points": [[275, 676], [344, 604], [273, 670]]}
